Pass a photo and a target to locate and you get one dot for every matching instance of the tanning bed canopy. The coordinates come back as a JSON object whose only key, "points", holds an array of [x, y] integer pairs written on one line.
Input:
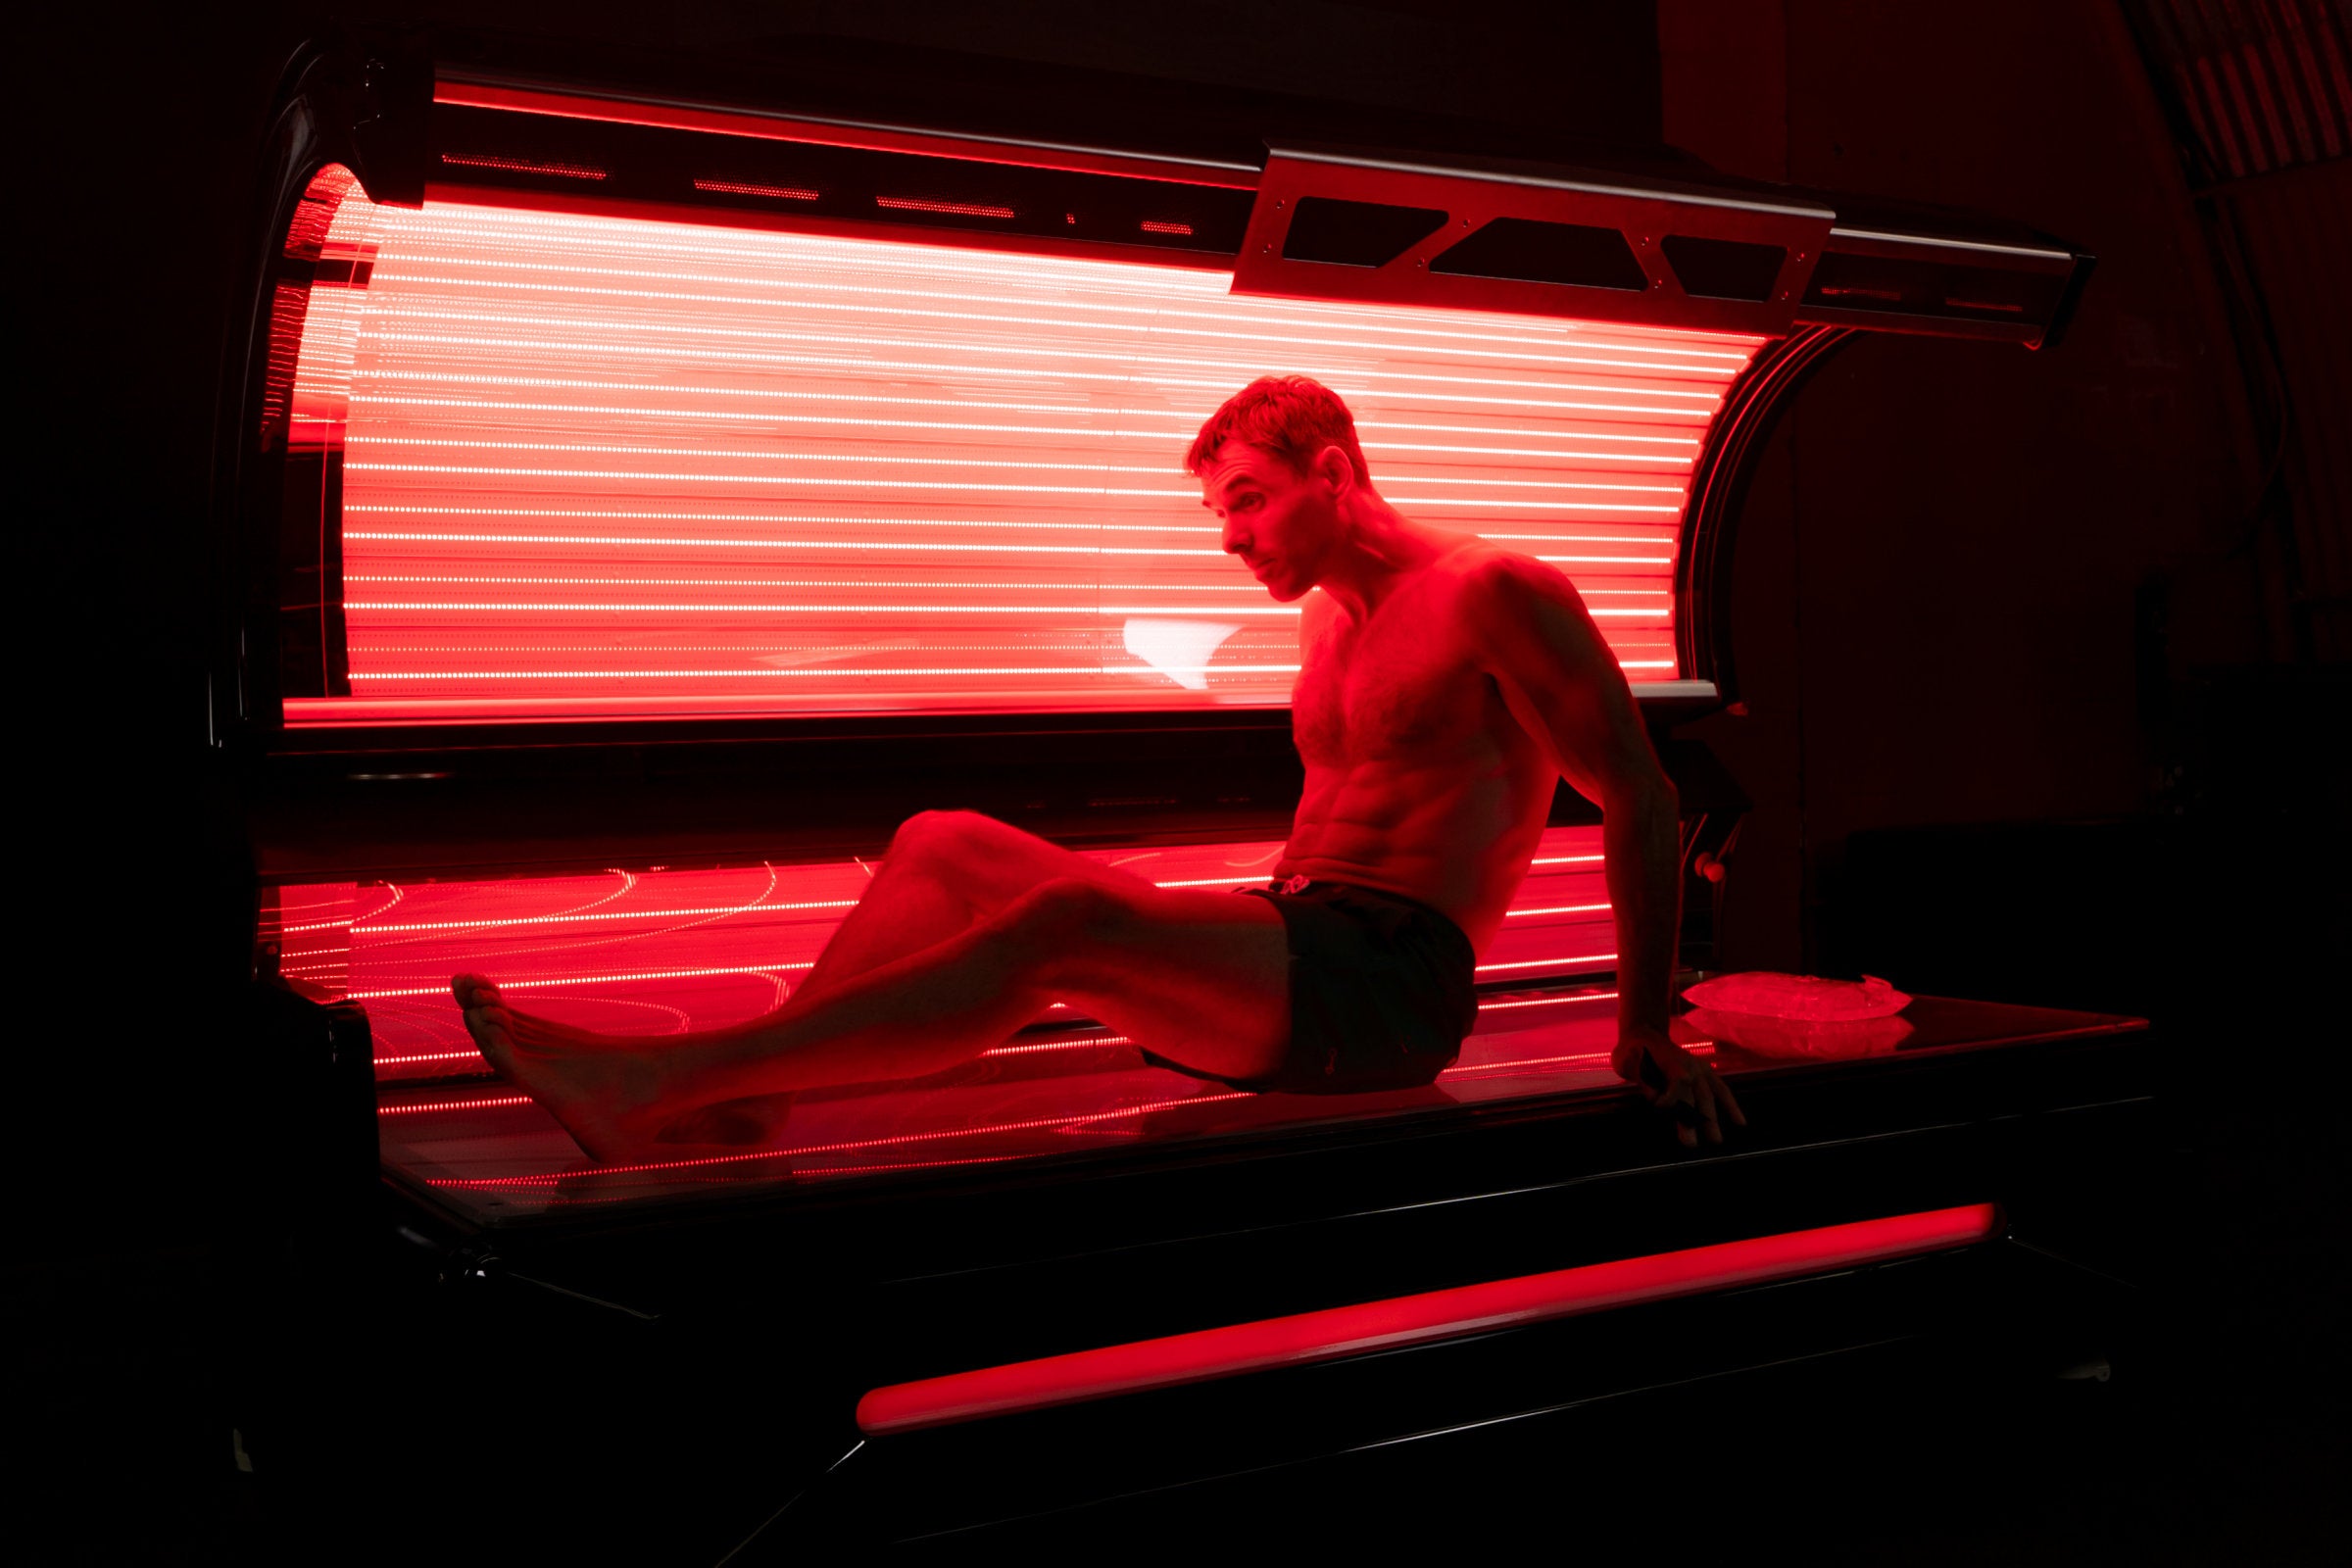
{"points": [[571, 402]]}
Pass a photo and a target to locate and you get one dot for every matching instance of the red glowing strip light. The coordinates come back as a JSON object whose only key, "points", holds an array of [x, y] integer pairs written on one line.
{"points": [[737, 187], [1155, 226], [1410, 1320], [582, 454], [490, 1103], [523, 166], [920, 204]]}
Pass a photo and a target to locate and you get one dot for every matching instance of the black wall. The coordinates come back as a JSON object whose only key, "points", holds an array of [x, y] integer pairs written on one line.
{"points": [[1978, 585]]}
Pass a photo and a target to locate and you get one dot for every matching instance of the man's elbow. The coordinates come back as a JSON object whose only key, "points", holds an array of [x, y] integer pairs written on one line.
{"points": [[1644, 794]]}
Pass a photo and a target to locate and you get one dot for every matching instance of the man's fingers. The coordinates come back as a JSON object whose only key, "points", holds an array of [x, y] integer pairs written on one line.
{"points": [[1698, 1100], [1682, 1104]]}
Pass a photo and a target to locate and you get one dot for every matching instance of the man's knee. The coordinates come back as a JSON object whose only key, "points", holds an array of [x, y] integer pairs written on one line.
{"points": [[944, 835]]}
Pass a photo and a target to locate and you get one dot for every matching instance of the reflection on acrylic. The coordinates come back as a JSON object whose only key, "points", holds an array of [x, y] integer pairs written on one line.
{"points": [[659, 950], [1784, 1039], [656, 951]]}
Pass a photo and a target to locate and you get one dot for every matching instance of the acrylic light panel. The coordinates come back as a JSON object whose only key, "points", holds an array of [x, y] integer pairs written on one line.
{"points": [[601, 466], [656, 951], [1401, 1323]]}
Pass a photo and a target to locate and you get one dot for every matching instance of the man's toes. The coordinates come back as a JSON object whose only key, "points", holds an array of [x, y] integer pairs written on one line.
{"points": [[474, 991], [490, 1026]]}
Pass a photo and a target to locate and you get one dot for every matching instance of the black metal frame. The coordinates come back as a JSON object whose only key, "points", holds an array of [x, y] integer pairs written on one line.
{"points": [[1719, 484], [1474, 195]]}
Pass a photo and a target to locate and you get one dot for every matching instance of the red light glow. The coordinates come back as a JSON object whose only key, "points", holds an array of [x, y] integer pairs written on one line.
{"points": [[1060, 1123], [597, 467], [1549, 1002], [737, 187], [1154, 225], [1068, 1086], [920, 204], [424, 1107], [523, 166], [1404, 1321], [658, 953]]}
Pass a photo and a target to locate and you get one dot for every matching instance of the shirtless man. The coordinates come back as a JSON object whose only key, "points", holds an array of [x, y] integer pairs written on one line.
{"points": [[1446, 686]]}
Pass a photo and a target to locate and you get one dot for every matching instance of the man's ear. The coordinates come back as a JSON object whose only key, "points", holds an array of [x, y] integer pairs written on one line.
{"points": [[1331, 465]]}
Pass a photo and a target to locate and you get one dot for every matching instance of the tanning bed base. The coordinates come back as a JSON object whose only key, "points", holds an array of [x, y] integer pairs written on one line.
{"points": [[1396, 1443]]}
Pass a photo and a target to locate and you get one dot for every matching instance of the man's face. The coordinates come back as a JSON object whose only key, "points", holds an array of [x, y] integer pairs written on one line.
{"points": [[1282, 523]]}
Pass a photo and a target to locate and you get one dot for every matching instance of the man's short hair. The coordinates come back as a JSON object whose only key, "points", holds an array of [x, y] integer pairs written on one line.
{"points": [[1292, 417]]}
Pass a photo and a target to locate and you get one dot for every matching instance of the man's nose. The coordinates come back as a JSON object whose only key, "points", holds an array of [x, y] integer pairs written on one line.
{"points": [[1235, 540]]}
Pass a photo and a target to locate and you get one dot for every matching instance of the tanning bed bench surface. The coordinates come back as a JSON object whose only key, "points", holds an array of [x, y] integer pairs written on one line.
{"points": [[489, 1151]]}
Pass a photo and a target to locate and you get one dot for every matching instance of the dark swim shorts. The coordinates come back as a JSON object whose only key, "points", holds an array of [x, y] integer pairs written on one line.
{"points": [[1381, 990]]}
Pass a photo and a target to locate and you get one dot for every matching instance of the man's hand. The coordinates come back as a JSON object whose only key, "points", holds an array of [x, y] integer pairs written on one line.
{"points": [[1678, 1084]]}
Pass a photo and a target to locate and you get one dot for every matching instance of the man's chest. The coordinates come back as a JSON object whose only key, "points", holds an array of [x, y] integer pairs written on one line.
{"points": [[1364, 696]]}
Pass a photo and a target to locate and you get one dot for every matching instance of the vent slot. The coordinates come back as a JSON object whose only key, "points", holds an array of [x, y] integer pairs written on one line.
{"points": [[1528, 251], [1356, 234], [724, 177], [1723, 268]]}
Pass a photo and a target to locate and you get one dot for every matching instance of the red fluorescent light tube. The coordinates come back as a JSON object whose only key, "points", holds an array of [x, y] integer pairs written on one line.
{"points": [[1409, 1320]]}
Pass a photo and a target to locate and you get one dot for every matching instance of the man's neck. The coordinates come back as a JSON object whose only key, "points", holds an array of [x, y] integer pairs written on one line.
{"points": [[1378, 551]]}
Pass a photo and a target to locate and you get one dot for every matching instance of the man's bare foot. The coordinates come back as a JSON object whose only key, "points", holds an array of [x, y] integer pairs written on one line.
{"points": [[604, 1090]]}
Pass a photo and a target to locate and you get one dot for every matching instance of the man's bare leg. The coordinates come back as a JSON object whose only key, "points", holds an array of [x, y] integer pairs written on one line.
{"points": [[1198, 977], [944, 872]]}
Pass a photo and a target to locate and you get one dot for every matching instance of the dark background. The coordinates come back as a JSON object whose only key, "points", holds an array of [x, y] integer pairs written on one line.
{"points": [[2042, 653]]}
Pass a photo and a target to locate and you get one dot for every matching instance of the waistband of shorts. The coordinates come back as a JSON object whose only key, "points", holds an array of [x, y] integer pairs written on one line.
{"points": [[1290, 887]]}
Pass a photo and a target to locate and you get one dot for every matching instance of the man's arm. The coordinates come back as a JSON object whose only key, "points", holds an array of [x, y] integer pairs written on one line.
{"points": [[1564, 687]]}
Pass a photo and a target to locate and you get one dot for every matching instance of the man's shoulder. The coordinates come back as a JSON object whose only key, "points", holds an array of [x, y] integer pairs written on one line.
{"points": [[1483, 575], [1501, 606]]}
